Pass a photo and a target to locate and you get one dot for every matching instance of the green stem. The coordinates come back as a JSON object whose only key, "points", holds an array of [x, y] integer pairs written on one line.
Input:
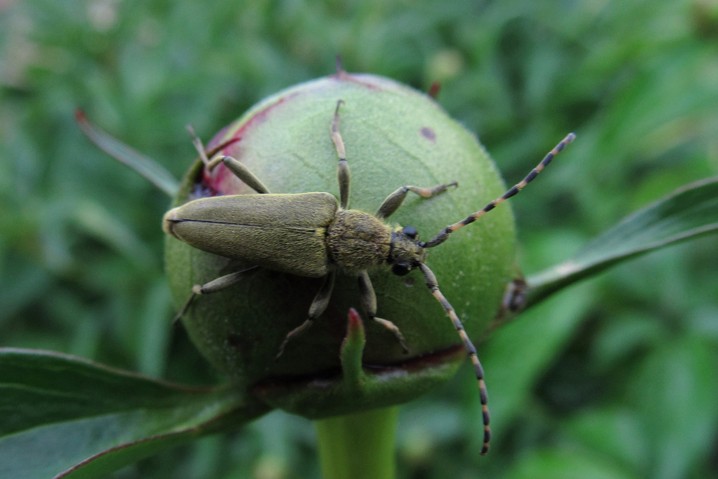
{"points": [[359, 445]]}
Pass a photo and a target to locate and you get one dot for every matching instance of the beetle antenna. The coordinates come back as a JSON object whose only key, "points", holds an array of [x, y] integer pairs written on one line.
{"points": [[513, 191], [433, 286]]}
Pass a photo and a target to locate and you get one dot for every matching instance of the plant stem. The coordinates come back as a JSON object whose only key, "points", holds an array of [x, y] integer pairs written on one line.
{"points": [[359, 445]]}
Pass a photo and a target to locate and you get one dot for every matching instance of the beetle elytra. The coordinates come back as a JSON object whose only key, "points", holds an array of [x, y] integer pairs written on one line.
{"points": [[322, 237]]}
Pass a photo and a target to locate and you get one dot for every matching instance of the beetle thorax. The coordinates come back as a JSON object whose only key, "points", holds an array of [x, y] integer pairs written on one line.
{"points": [[357, 241]]}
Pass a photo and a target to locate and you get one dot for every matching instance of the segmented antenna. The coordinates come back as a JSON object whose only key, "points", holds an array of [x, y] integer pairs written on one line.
{"points": [[433, 286], [513, 191]]}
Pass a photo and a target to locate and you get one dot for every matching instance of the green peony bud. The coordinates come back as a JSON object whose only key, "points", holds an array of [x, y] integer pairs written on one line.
{"points": [[394, 136]]}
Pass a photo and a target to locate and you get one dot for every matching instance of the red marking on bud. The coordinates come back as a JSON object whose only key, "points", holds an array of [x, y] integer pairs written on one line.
{"points": [[220, 180]]}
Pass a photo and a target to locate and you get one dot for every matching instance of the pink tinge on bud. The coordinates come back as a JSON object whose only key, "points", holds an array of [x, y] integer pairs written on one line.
{"points": [[219, 180]]}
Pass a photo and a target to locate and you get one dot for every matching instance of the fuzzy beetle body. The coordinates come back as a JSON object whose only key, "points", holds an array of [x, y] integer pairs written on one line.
{"points": [[314, 235]]}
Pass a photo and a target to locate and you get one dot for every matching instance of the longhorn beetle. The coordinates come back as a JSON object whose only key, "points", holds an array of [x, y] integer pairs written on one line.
{"points": [[323, 237]]}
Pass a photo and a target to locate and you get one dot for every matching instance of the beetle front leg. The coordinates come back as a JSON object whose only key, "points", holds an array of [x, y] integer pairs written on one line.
{"points": [[368, 299], [318, 306], [217, 284], [394, 200]]}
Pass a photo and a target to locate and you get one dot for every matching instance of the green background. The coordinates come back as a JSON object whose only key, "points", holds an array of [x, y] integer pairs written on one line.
{"points": [[613, 378]]}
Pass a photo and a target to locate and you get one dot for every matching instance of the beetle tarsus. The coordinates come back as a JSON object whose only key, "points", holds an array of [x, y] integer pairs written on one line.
{"points": [[293, 333], [184, 308], [394, 329]]}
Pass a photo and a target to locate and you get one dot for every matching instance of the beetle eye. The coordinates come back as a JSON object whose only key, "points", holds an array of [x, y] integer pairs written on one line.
{"points": [[400, 269], [410, 232]]}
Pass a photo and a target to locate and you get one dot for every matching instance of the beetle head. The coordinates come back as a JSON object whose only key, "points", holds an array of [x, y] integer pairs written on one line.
{"points": [[406, 252]]}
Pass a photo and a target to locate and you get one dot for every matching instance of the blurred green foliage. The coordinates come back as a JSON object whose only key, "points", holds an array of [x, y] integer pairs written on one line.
{"points": [[614, 378]]}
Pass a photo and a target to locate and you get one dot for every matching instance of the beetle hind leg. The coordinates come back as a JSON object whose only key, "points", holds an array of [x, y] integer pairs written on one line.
{"points": [[244, 174], [368, 298], [217, 284], [237, 168]]}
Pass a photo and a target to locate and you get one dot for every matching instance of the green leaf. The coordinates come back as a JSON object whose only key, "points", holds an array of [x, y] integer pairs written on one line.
{"points": [[678, 413], [689, 212], [520, 352], [614, 432], [99, 222], [146, 167], [63, 416]]}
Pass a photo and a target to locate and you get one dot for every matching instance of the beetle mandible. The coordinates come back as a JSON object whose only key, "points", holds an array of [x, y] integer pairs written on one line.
{"points": [[324, 237]]}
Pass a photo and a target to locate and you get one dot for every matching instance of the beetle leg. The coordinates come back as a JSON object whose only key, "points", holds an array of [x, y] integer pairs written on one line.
{"points": [[343, 173], [217, 284], [394, 200], [318, 306], [243, 173], [368, 299], [198, 145], [433, 286]]}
